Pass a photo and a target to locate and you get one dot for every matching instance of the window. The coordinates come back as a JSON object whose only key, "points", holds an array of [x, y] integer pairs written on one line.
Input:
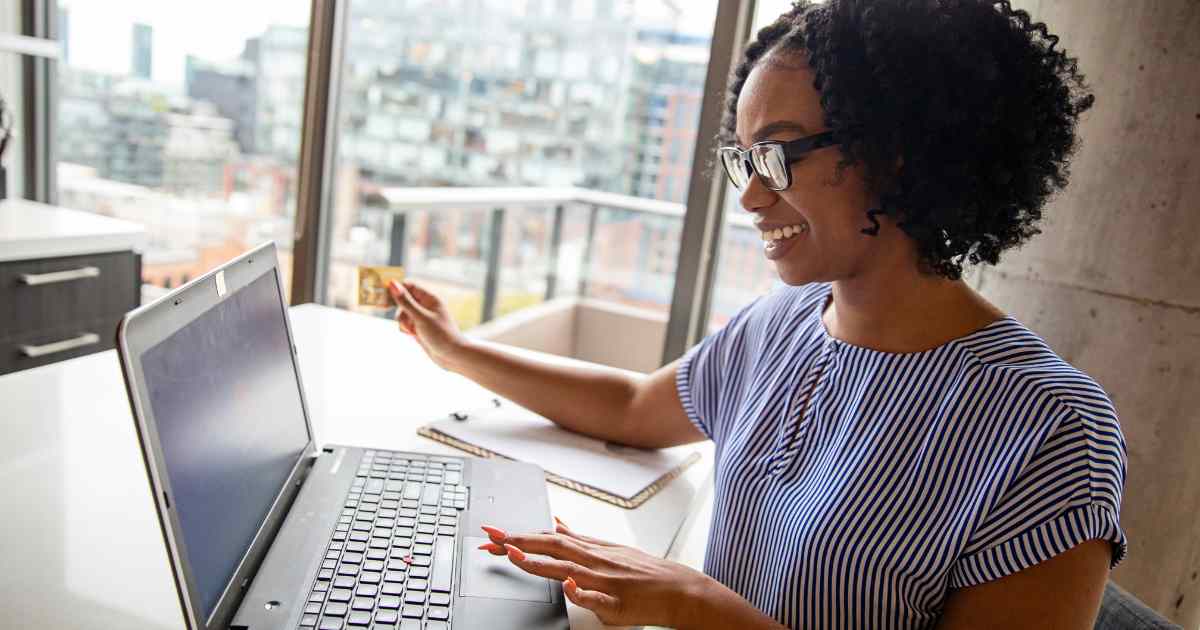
{"points": [[582, 99], [743, 272], [186, 121]]}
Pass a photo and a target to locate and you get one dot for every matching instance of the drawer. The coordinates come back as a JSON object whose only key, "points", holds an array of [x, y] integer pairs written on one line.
{"points": [[15, 352], [48, 294]]}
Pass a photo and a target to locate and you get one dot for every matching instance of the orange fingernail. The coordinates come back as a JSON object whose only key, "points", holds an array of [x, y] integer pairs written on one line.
{"points": [[514, 553], [494, 531], [570, 583]]}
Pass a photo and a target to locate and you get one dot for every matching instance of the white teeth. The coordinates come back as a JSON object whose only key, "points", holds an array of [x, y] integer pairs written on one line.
{"points": [[786, 232]]}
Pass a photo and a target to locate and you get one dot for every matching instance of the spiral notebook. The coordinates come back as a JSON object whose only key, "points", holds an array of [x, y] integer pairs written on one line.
{"points": [[620, 475]]}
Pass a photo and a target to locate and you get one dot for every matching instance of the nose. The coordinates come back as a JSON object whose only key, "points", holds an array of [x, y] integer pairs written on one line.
{"points": [[756, 196]]}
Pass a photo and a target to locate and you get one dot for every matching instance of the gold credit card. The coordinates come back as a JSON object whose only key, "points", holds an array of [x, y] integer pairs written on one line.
{"points": [[373, 284]]}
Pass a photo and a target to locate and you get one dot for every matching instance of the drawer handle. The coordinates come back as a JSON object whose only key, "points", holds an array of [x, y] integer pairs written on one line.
{"points": [[34, 279], [85, 339]]}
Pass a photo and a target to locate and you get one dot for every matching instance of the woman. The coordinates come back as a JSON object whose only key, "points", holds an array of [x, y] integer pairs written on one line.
{"points": [[892, 450]]}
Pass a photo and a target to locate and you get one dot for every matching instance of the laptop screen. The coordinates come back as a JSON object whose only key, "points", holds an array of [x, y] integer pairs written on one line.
{"points": [[226, 402]]}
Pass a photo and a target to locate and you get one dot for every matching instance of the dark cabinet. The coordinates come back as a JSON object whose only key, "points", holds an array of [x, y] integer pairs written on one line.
{"points": [[58, 308]]}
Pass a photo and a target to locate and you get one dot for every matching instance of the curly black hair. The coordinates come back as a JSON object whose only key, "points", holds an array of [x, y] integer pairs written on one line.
{"points": [[971, 95]]}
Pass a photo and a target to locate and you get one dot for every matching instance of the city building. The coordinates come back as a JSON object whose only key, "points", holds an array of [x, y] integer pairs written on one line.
{"points": [[142, 52]]}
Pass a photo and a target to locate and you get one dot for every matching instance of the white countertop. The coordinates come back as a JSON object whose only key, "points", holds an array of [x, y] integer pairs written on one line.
{"points": [[30, 230], [80, 540]]}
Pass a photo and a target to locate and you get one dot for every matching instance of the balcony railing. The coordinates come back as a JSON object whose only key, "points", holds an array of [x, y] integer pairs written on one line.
{"points": [[498, 201]]}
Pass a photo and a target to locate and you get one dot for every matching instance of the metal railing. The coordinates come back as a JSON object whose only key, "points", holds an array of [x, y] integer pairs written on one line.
{"points": [[400, 201]]}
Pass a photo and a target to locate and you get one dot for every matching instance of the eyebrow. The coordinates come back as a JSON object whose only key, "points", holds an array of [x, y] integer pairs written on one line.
{"points": [[771, 129]]}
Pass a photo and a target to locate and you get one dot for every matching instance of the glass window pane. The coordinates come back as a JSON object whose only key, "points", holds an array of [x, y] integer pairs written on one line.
{"points": [[185, 120], [599, 95], [11, 92]]}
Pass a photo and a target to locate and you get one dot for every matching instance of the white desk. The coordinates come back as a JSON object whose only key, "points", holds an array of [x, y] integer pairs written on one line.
{"points": [[81, 546], [31, 230]]}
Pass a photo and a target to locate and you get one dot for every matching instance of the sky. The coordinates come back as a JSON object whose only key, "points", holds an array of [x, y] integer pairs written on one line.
{"points": [[101, 30]]}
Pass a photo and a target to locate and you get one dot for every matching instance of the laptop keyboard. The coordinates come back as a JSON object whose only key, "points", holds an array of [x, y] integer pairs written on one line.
{"points": [[390, 561]]}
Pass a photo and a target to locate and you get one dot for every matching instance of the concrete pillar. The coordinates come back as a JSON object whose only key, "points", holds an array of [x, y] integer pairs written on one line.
{"points": [[1113, 282]]}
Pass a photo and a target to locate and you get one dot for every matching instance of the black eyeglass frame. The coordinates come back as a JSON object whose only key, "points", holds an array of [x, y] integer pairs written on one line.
{"points": [[793, 151]]}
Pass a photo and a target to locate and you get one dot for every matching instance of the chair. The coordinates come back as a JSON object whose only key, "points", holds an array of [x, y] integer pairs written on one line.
{"points": [[1119, 610]]}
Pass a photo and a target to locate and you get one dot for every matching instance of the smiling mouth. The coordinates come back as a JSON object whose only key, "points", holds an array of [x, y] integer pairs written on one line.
{"points": [[777, 243]]}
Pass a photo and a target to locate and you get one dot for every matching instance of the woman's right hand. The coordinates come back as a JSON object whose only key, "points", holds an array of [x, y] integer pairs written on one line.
{"points": [[423, 315]]}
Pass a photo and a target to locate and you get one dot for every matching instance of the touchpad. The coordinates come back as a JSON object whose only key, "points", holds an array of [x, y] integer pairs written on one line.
{"points": [[485, 575]]}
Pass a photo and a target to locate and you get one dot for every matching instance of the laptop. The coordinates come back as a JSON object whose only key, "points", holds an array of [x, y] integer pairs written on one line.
{"points": [[265, 528]]}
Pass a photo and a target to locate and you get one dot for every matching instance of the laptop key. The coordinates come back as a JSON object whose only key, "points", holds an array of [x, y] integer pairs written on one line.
{"points": [[392, 588], [316, 596], [422, 550], [393, 576], [336, 609], [367, 590], [360, 537], [417, 584], [348, 569], [356, 546], [410, 624], [418, 572], [369, 577], [322, 585], [312, 608], [437, 625], [331, 623], [363, 603], [414, 597], [324, 574], [389, 601], [376, 554], [359, 619], [352, 558], [429, 495], [339, 595], [413, 612], [439, 599], [443, 565], [386, 616], [372, 565], [308, 621], [342, 581], [439, 613]]}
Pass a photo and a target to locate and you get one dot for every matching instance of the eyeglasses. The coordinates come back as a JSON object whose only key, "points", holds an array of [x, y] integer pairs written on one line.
{"points": [[771, 160]]}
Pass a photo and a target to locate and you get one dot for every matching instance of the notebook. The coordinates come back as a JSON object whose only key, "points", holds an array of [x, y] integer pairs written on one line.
{"points": [[621, 475]]}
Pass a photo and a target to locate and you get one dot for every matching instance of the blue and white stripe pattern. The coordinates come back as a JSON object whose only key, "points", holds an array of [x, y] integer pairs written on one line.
{"points": [[908, 474]]}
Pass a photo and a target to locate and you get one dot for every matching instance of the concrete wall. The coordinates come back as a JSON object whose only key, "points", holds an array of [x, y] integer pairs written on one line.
{"points": [[621, 336], [591, 330], [547, 327], [1113, 283]]}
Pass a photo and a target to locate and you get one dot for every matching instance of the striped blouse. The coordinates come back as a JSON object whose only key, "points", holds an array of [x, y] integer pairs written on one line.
{"points": [[855, 487]]}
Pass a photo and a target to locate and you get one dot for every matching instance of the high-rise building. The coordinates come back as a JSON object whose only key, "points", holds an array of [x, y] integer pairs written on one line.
{"points": [[232, 87], [141, 63]]}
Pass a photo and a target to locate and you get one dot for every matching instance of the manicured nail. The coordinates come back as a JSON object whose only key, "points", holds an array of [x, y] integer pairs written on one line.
{"points": [[559, 521], [494, 532], [394, 287], [491, 547], [570, 583], [515, 554]]}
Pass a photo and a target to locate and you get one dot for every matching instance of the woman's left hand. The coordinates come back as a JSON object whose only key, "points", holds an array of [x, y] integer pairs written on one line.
{"points": [[622, 585]]}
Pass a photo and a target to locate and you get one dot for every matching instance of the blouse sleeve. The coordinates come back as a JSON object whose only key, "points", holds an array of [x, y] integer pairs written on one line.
{"points": [[1068, 492], [710, 374]]}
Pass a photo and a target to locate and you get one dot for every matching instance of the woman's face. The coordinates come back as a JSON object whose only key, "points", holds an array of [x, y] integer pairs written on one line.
{"points": [[778, 102]]}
